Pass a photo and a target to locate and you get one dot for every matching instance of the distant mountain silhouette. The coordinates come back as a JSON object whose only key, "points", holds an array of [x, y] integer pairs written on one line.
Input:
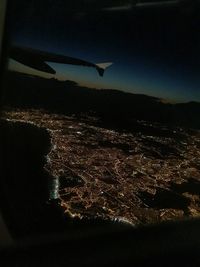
{"points": [[112, 106]]}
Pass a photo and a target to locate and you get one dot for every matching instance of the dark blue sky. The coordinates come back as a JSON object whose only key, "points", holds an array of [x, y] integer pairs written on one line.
{"points": [[154, 52]]}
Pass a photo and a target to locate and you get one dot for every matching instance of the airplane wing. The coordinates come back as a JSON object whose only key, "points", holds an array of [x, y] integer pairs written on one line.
{"points": [[38, 60]]}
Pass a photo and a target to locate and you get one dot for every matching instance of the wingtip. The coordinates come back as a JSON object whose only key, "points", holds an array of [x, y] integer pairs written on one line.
{"points": [[101, 67]]}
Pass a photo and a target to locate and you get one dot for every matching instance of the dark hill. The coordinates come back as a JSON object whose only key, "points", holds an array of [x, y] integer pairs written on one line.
{"points": [[26, 91]]}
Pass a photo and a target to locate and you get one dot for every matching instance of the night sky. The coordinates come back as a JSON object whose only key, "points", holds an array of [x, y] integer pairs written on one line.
{"points": [[154, 51]]}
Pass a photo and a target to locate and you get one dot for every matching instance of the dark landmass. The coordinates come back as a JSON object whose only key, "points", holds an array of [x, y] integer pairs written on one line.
{"points": [[115, 108]]}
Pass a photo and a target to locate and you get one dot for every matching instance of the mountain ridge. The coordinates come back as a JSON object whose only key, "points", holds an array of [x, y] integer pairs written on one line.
{"points": [[67, 97]]}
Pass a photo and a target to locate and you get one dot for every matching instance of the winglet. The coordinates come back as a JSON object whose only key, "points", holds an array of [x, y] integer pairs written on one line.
{"points": [[101, 67]]}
